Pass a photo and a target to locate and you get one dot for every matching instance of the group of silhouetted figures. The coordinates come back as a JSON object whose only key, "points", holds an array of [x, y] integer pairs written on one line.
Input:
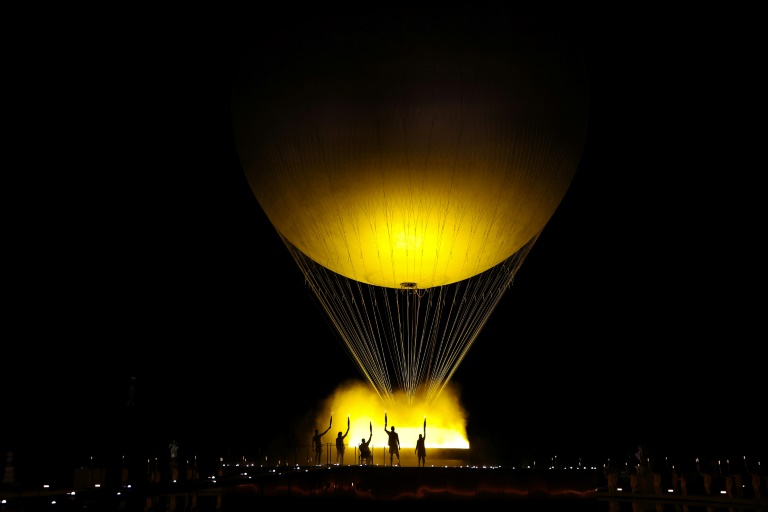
{"points": [[365, 454], [646, 477]]}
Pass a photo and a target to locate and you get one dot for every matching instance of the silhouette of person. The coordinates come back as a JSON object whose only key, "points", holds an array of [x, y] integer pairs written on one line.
{"points": [[421, 450], [705, 477], [612, 480], [340, 445], [727, 478], [755, 478], [365, 450], [738, 484], [394, 445], [656, 478], [675, 481], [317, 442]]}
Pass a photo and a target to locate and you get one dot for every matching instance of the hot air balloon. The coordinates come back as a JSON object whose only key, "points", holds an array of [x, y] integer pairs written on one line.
{"points": [[409, 178]]}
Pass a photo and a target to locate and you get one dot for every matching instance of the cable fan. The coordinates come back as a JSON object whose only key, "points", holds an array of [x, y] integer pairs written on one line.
{"points": [[408, 339]]}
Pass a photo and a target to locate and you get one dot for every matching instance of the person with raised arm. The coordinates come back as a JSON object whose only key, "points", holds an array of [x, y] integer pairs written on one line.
{"points": [[365, 450], [317, 442], [393, 442], [706, 478], [340, 445], [421, 451], [755, 477]]}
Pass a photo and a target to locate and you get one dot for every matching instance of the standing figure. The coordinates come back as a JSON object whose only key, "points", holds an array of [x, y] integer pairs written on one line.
{"points": [[755, 477], [675, 481], [421, 451], [340, 446], [656, 478], [393, 442], [365, 450], [317, 442], [727, 477], [705, 477], [738, 484]]}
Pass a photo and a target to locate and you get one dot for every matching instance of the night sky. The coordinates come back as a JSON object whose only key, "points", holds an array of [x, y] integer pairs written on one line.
{"points": [[138, 250]]}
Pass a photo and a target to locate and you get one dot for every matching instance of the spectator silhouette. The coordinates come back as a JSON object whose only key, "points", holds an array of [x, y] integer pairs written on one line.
{"points": [[755, 480], [317, 442], [705, 477], [727, 478], [738, 484], [656, 478], [340, 445], [421, 450], [675, 480], [394, 445], [365, 450]]}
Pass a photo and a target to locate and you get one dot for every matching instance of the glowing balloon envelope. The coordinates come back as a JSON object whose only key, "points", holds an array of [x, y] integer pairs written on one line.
{"points": [[413, 167]]}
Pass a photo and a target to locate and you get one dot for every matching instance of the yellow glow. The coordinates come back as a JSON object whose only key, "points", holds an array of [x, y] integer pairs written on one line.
{"points": [[390, 174], [446, 418], [407, 242], [431, 236]]}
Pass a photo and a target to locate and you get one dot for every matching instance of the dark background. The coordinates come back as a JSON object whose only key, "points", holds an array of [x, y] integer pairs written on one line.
{"points": [[135, 249]]}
